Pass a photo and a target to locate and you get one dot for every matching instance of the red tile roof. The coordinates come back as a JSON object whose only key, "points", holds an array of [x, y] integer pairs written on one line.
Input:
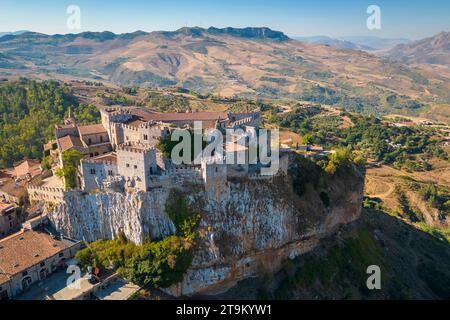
{"points": [[32, 167], [69, 142], [147, 115], [25, 249], [5, 206], [91, 129], [191, 116], [109, 157]]}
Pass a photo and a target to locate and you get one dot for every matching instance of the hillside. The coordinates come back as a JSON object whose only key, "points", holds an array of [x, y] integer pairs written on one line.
{"points": [[413, 266], [247, 62], [334, 42], [433, 50]]}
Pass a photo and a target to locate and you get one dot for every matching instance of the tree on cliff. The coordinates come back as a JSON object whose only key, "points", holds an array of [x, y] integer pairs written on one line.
{"points": [[71, 160]]}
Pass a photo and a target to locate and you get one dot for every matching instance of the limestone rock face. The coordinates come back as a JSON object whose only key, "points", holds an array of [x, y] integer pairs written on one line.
{"points": [[247, 225], [91, 217]]}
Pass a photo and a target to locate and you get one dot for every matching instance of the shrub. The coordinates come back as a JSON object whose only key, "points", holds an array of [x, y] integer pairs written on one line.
{"points": [[71, 160]]}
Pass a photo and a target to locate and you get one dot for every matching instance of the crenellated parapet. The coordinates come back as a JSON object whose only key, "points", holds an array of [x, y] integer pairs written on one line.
{"points": [[46, 194], [136, 147]]}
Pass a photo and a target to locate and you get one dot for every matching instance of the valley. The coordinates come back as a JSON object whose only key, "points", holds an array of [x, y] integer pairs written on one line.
{"points": [[233, 63]]}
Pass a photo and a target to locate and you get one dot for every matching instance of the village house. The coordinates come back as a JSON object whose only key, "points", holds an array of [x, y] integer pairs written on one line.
{"points": [[30, 256], [13, 191], [91, 140], [27, 169], [9, 218]]}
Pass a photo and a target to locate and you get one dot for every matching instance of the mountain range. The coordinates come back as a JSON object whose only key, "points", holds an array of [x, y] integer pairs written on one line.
{"points": [[433, 50], [250, 62], [365, 43], [14, 33]]}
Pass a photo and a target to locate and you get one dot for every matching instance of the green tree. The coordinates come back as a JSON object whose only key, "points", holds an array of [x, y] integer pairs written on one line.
{"points": [[71, 160], [307, 139]]}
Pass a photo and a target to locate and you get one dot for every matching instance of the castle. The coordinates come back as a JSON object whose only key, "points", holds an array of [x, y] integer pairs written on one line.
{"points": [[121, 154]]}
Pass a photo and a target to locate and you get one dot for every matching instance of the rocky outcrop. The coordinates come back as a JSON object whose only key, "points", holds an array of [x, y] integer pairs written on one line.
{"points": [[247, 225], [91, 217]]}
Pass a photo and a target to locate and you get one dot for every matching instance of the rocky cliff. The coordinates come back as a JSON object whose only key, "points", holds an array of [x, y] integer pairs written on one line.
{"points": [[248, 225]]}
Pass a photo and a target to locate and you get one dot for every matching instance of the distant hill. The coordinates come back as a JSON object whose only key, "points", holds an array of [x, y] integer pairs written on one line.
{"points": [[355, 42], [12, 33], [343, 44], [249, 62], [433, 50], [375, 43]]}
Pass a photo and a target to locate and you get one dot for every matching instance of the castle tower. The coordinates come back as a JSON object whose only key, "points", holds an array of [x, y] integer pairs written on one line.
{"points": [[70, 118], [214, 172], [136, 163]]}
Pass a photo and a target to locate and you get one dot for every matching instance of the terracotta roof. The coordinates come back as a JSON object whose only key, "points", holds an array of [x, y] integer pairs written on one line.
{"points": [[65, 126], [146, 115], [32, 167], [49, 145], [25, 249], [109, 157], [91, 129], [5, 206], [6, 175], [13, 189], [69, 142]]}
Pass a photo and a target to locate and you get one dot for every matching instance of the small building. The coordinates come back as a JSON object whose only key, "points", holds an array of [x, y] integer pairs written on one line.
{"points": [[9, 219], [13, 191], [50, 146], [137, 163], [96, 170], [27, 169], [30, 256], [90, 140]]}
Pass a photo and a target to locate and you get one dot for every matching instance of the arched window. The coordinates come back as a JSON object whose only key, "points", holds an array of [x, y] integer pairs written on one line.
{"points": [[26, 282], [43, 273]]}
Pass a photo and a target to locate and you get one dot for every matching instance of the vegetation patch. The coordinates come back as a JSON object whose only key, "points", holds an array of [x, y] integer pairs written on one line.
{"points": [[179, 211], [157, 264], [71, 160], [346, 261]]}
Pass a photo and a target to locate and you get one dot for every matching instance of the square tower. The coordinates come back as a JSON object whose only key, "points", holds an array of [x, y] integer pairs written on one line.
{"points": [[136, 163]]}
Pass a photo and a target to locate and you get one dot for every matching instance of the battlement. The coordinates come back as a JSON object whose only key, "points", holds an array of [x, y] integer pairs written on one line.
{"points": [[47, 194], [104, 162], [145, 125], [180, 170], [216, 159], [135, 147], [241, 121], [258, 176], [117, 111]]}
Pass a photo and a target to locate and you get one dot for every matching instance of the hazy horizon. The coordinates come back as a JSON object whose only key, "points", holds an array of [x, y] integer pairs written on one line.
{"points": [[295, 36], [399, 19]]}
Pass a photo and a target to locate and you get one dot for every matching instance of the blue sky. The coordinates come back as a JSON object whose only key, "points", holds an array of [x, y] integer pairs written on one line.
{"points": [[399, 18]]}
